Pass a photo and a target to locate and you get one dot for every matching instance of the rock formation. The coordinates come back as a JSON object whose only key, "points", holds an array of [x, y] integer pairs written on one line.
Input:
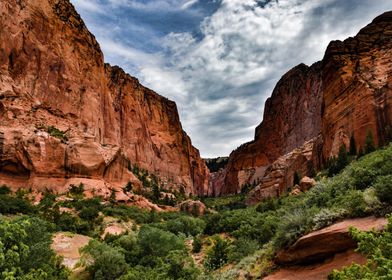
{"points": [[66, 117], [313, 110], [315, 255]]}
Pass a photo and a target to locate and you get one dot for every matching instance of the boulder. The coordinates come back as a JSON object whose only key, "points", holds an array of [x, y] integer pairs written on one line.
{"points": [[307, 183]]}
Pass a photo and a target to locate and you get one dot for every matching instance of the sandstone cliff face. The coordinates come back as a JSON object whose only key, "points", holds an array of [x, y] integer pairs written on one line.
{"points": [[52, 75], [357, 83], [292, 115], [347, 93]]}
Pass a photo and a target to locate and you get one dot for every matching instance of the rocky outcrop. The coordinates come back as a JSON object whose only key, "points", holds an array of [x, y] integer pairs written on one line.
{"points": [[328, 241], [279, 176], [347, 94], [319, 271], [307, 183], [315, 255], [193, 207], [67, 117]]}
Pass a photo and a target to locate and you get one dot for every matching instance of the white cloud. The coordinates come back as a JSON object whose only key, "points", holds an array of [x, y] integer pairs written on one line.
{"points": [[188, 4], [221, 78]]}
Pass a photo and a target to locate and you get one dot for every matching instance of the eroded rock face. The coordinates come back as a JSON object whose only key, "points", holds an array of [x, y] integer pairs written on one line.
{"points": [[52, 74], [347, 94], [357, 83], [328, 241], [292, 116], [279, 176]]}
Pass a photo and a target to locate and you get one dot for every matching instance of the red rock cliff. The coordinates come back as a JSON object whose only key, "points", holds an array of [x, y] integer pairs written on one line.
{"points": [[52, 74], [347, 93]]}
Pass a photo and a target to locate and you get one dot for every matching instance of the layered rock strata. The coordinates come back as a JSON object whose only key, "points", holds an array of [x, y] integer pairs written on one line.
{"points": [[347, 94], [66, 117]]}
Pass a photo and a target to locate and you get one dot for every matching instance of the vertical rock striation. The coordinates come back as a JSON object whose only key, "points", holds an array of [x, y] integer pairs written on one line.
{"points": [[315, 109], [67, 116]]}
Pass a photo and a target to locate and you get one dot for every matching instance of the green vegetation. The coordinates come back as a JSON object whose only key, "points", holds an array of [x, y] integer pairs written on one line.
{"points": [[25, 251], [55, 132], [377, 247], [230, 237], [216, 164]]}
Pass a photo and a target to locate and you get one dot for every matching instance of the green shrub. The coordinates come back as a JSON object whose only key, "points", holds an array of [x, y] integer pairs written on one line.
{"points": [[145, 273], [15, 205], [4, 190], [217, 256], [241, 248], [383, 187], [55, 132], [197, 244], [154, 243], [77, 190], [377, 247], [270, 204], [89, 213], [185, 224], [108, 262]]}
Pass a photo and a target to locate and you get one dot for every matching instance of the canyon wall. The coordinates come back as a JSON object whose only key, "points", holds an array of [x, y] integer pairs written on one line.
{"points": [[313, 110], [66, 117]]}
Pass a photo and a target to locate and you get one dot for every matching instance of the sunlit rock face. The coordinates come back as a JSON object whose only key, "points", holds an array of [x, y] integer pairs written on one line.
{"points": [[346, 94], [65, 115]]}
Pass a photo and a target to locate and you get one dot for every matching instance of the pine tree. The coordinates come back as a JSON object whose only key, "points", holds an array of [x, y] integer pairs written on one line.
{"points": [[353, 146], [369, 143], [342, 158]]}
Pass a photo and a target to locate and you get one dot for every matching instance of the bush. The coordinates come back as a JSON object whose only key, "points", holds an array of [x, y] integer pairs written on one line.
{"points": [[108, 262], [197, 244], [217, 256], [77, 190], [185, 224], [154, 243], [270, 204], [55, 132], [15, 205], [4, 190], [241, 248], [383, 187]]}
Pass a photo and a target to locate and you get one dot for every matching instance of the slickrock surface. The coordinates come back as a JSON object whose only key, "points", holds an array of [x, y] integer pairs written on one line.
{"points": [[346, 94], [67, 245], [52, 74], [315, 255], [318, 271], [328, 241]]}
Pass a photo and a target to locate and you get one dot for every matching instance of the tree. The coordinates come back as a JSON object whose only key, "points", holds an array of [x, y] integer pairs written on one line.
{"points": [[217, 256], [297, 178], [25, 251], [342, 158], [108, 262], [369, 143], [353, 146]]}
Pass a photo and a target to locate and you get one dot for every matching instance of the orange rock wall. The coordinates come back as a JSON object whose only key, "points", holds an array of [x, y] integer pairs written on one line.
{"points": [[347, 93], [52, 74]]}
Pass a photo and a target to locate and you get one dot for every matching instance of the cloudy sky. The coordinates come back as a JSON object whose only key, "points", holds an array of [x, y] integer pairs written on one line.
{"points": [[220, 59]]}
